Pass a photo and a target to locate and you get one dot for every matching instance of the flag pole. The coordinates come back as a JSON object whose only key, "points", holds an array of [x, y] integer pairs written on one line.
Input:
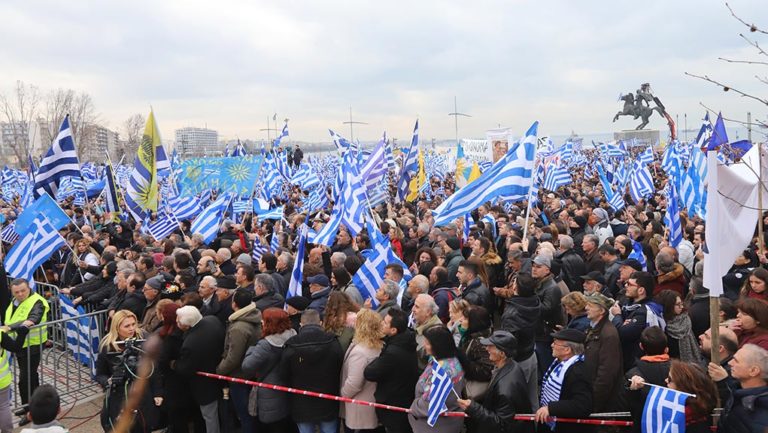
{"points": [[530, 191]]}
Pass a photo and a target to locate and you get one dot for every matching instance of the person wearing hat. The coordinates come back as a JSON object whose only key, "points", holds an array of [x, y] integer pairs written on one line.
{"points": [[566, 391], [152, 289], [626, 268], [594, 283], [602, 355], [551, 312], [296, 305], [319, 289], [578, 224], [599, 222], [506, 394]]}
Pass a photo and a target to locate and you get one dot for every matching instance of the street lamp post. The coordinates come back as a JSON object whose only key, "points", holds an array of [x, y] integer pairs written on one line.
{"points": [[456, 115]]}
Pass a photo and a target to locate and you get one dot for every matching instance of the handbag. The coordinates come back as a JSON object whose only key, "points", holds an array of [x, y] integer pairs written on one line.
{"points": [[253, 396]]}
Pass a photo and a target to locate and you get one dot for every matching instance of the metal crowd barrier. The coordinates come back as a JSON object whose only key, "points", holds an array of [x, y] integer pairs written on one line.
{"points": [[67, 359]]}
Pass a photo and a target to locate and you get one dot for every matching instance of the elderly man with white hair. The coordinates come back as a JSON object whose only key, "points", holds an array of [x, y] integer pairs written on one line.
{"points": [[224, 260], [424, 315], [201, 351], [744, 409]]}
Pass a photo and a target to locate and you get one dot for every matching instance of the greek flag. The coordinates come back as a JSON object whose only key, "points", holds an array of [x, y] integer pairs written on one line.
{"points": [[274, 244], [664, 411], [349, 208], [410, 166], [297, 275], [184, 208], [510, 178], [637, 254], [283, 134], [556, 177], [439, 390], [489, 220], [165, 224], [271, 214], [82, 333], [259, 250], [33, 249], [317, 199], [58, 162], [305, 177], [9, 234], [241, 206], [672, 218], [641, 182], [704, 133], [565, 151], [282, 166], [646, 157], [468, 222], [374, 171], [670, 163], [370, 276], [616, 202], [208, 222]]}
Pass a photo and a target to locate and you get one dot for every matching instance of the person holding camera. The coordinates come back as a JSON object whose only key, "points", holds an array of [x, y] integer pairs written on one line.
{"points": [[117, 368]]}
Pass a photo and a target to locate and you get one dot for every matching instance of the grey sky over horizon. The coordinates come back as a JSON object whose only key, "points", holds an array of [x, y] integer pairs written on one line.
{"points": [[231, 64]]}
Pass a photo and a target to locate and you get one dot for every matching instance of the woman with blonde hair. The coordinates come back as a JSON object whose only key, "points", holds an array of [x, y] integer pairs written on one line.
{"points": [[575, 305], [366, 346], [117, 367], [457, 312]]}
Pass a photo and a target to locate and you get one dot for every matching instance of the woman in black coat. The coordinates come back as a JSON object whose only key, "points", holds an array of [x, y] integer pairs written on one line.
{"points": [[178, 405]]}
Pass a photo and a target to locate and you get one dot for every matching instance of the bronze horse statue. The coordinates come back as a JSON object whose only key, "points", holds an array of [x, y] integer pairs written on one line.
{"points": [[635, 107]]}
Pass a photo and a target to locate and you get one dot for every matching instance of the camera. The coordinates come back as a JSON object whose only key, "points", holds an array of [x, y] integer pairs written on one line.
{"points": [[127, 362]]}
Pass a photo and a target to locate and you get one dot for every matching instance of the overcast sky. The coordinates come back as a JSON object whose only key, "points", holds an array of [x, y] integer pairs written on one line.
{"points": [[230, 65]]}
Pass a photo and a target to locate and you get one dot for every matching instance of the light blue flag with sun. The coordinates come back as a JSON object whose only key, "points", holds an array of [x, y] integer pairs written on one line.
{"points": [[236, 175]]}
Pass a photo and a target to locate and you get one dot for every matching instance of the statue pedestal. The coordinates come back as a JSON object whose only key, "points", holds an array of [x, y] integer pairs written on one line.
{"points": [[633, 137]]}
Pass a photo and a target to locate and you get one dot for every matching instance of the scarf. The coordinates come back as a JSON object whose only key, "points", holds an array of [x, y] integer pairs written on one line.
{"points": [[679, 328], [553, 381]]}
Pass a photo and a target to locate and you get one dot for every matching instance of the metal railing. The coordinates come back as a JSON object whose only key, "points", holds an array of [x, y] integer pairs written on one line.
{"points": [[66, 360]]}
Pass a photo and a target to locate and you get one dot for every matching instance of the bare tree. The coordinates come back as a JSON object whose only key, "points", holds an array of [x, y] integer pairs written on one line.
{"points": [[134, 127], [19, 110], [83, 120], [760, 52], [58, 104]]}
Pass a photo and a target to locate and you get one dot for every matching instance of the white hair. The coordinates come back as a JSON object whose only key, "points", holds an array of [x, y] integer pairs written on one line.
{"points": [[431, 304], [188, 315]]}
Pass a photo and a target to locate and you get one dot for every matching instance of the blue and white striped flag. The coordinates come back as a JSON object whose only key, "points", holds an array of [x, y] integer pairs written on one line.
{"points": [[646, 157], [283, 134], [82, 333], [305, 177], [208, 222], [439, 390], [242, 206], [510, 179], [33, 249], [9, 234], [271, 214], [672, 217], [165, 224], [60, 161], [374, 171], [370, 276], [274, 244], [664, 411], [641, 182], [616, 201], [185, 207], [297, 274], [410, 166], [637, 254], [556, 177], [259, 250]]}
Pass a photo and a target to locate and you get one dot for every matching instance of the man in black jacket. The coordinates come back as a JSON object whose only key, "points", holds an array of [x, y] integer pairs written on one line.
{"points": [[572, 266], [201, 351], [266, 296], [566, 391], [312, 360], [395, 371], [506, 394], [129, 294]]}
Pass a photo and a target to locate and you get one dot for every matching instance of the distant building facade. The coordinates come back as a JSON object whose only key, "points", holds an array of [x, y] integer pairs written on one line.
{"points": [[191, 142]]}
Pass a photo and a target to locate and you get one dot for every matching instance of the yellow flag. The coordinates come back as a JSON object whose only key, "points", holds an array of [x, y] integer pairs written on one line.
{"points": [[146, 166], [418, 181], [475, 173]]}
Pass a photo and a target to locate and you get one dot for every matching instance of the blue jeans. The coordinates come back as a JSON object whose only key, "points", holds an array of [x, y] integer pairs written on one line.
{"points": [[239, 394], [325, 426]]}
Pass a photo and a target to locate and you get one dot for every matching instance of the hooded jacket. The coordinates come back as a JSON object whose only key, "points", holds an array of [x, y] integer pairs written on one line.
{"points": [[262, 362], [520, 317], [244, 331]]}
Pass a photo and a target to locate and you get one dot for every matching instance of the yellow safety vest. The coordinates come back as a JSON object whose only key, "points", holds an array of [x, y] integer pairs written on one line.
{"points": [[36, 336], [5, 368]]}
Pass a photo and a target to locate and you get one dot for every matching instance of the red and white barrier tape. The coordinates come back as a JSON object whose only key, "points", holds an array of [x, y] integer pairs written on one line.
{"points": [[396, 408]]}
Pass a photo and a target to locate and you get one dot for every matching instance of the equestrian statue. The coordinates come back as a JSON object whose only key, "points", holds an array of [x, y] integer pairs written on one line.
{"points": [[638, 105]]}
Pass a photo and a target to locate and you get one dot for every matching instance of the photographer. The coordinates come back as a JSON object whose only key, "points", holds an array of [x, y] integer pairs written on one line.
{"points": [[116, 369]]}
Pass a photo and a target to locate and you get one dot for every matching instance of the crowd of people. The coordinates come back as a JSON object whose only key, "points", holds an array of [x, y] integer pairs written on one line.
{"points": [[578, 313]]}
